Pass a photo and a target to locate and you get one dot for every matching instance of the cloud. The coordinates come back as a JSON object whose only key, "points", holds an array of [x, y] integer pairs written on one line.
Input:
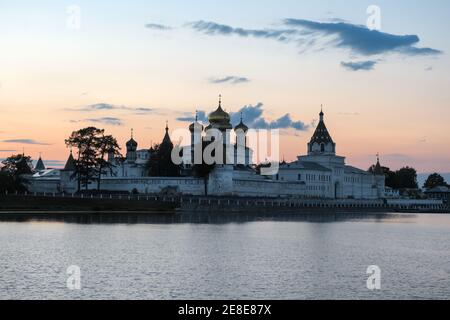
{"points": [[253, 116], [361, 40], [348, 113], [8, 150], [334, 33], [229, 79], [109, 107], [157, 26], [359, 65], [104, 120], [213, 28], [201, 116], [26, 141]]}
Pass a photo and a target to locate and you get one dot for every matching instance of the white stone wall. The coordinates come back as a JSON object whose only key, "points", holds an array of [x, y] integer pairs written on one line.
{"points": [[317, 184], [268, 188], [44, 185], [220, 182], [145, 185], [360, 186]]}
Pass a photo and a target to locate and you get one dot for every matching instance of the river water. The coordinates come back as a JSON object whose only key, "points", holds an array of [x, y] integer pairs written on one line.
{"points": [[296, 257]]}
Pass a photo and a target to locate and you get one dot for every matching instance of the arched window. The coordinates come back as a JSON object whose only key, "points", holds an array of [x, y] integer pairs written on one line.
{"points": [[322, 147]]}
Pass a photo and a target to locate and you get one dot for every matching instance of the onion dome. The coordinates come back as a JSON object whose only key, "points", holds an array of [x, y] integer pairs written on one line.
{"points": [[241, 126], [220, 119], [196, 124], [132, 144]]}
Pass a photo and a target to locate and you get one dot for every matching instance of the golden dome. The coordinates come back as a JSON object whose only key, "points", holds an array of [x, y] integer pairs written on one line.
{"points": [[219, 116]]}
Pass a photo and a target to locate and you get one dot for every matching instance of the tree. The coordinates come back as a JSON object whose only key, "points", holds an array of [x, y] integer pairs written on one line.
{"points": [[161, 164], [105, 145], [18, 165], [391, 176], [434, 180], [93, 146], [406, 178], [12, 173]]}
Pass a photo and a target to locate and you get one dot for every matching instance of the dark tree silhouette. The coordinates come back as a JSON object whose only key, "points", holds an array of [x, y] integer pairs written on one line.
{"points": [[93, 146], [406, 178], [435, 180], [160, 163], [105, 145], [391, 176], [12, 173], [18, 164]]}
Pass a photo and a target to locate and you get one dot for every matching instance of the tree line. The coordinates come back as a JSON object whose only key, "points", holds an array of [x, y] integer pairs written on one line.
{"points": [[406, 178]]}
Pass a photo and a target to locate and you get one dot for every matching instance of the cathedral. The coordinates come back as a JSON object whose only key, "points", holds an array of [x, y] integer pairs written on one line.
{"points": [[320, 174]]}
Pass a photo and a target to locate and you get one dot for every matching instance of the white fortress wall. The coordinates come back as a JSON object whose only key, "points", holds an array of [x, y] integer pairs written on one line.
{"points": [[144, 185]]}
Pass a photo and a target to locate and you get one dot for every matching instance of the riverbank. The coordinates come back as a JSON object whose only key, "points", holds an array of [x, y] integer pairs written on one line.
{"points": [[157, 204], [57, 203]]}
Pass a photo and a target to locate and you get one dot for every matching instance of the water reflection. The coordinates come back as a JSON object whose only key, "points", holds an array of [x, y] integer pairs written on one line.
{"points": [[196, 218]]}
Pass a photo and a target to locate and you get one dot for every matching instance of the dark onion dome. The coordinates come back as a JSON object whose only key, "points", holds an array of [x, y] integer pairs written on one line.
{"points": [[70, 163], [132, 144], [241, 126], [321, 135], [197, 124]]}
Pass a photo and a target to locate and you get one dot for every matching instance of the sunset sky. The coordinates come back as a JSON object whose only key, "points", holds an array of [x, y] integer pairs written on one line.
{"points": [[135, 64]]}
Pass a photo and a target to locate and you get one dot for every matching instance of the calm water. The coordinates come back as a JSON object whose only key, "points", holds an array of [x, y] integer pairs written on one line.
{"points": [[209, 258]]}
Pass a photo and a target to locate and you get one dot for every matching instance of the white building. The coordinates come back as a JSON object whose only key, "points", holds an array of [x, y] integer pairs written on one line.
{"points": [[319, 174], [325, 174]]}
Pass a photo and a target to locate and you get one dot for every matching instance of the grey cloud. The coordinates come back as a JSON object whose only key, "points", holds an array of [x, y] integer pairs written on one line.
{"points": [[202, 117], [104, 120], [359, 65], [109, 107], [26, 141], [229, 79], [157, 26], [361, 40], [253, 116], [315, 36], [213, 28]]}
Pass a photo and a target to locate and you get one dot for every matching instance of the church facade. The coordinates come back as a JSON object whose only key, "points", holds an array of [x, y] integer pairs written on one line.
{"points": [[320, 174], [326, 175]]}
